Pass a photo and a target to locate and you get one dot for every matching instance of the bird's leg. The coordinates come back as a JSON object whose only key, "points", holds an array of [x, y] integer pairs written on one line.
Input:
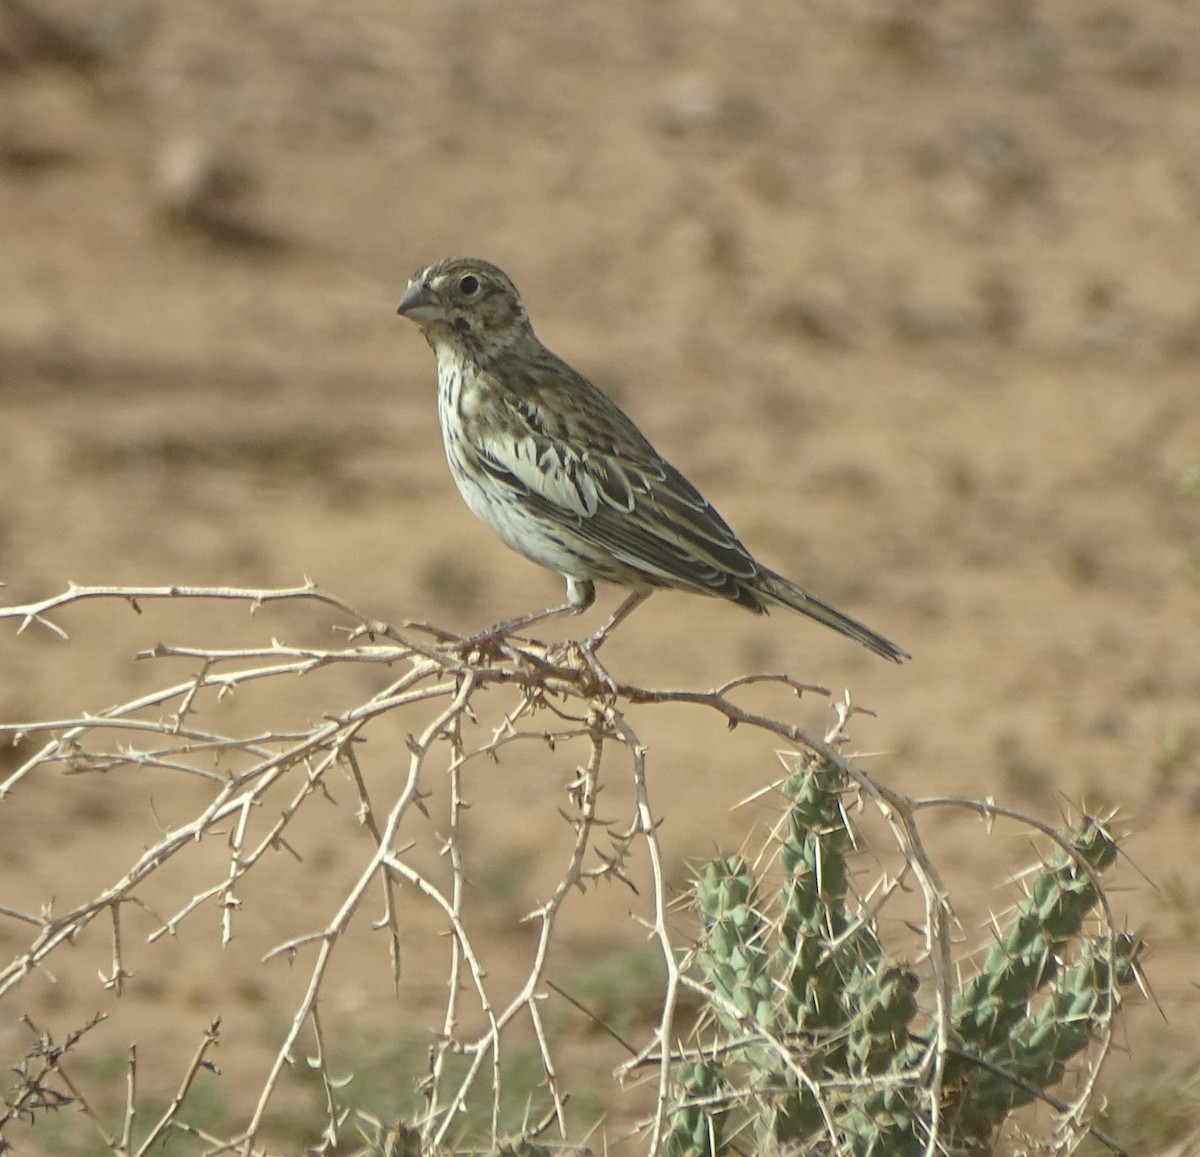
{"points": [[581, 593], [622, 612], [589, 646]]}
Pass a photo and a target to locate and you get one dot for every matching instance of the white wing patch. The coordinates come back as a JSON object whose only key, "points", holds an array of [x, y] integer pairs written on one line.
{"points": [[580, 484]]}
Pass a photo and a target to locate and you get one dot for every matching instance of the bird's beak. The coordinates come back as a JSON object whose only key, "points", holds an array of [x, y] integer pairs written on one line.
{"points": [[419, 304]]}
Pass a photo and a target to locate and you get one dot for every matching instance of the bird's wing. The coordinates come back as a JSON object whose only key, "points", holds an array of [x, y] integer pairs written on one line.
{"points": [[575, 483], [639, 509]]}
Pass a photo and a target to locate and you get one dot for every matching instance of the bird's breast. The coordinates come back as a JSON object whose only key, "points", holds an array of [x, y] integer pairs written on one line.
{"points": [[458, 386]]}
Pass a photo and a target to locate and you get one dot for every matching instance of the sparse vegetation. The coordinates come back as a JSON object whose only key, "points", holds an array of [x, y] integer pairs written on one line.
{"points": [[814, 1029], [952, 246], [1025, 777], [1154, 1105], [785, 1021]]}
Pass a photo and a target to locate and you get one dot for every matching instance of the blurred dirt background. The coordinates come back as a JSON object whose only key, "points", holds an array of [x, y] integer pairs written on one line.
{"points": [[909, 289]]}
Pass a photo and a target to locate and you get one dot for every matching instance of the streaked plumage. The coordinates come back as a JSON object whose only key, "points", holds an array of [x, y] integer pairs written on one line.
{"points": [[564, 477]]}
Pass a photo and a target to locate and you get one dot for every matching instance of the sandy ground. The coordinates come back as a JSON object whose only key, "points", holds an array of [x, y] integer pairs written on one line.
{"points": [[910, 292]]}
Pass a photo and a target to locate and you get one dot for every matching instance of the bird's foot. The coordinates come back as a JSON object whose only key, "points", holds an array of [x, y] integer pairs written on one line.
{"points": [[580, 654], [491, 641]]}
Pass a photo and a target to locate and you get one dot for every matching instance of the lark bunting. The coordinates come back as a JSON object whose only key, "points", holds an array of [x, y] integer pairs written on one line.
{"points": [[564, 477]]}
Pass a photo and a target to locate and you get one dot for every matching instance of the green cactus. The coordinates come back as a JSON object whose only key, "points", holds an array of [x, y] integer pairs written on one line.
{"points": [[806, 972], [733, 956], [696, 1126]]}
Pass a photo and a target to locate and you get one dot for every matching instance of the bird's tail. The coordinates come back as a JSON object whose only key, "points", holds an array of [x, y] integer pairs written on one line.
{"points": [[780, 590]]}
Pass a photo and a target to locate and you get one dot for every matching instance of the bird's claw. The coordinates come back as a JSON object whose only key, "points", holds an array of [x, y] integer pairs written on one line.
{"points": [[581, 654], [486, 644]]}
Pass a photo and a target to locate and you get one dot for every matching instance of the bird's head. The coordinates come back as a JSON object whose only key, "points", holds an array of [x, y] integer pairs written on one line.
{"points": [[465, 303]]}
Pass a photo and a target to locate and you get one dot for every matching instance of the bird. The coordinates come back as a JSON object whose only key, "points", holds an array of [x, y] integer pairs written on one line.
{"points": [[564, 477]]}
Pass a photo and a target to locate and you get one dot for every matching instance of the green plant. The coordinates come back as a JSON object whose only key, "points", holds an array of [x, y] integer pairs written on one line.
{"points": [[792, 1022], [621, 989], [1024, 775], [1154, 1103], [1178, 751], [815, 1034], [1181, 900]]}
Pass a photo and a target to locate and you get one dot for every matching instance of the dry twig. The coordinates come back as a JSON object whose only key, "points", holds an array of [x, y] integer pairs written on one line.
{"points": [[458, 712]]}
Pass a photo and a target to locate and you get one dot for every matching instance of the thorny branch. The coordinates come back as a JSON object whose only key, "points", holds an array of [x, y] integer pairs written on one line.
{"points": [[459, 710]]}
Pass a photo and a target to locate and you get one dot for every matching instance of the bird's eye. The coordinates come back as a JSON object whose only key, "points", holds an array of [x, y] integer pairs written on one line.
{"points": [[469, 285]]}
